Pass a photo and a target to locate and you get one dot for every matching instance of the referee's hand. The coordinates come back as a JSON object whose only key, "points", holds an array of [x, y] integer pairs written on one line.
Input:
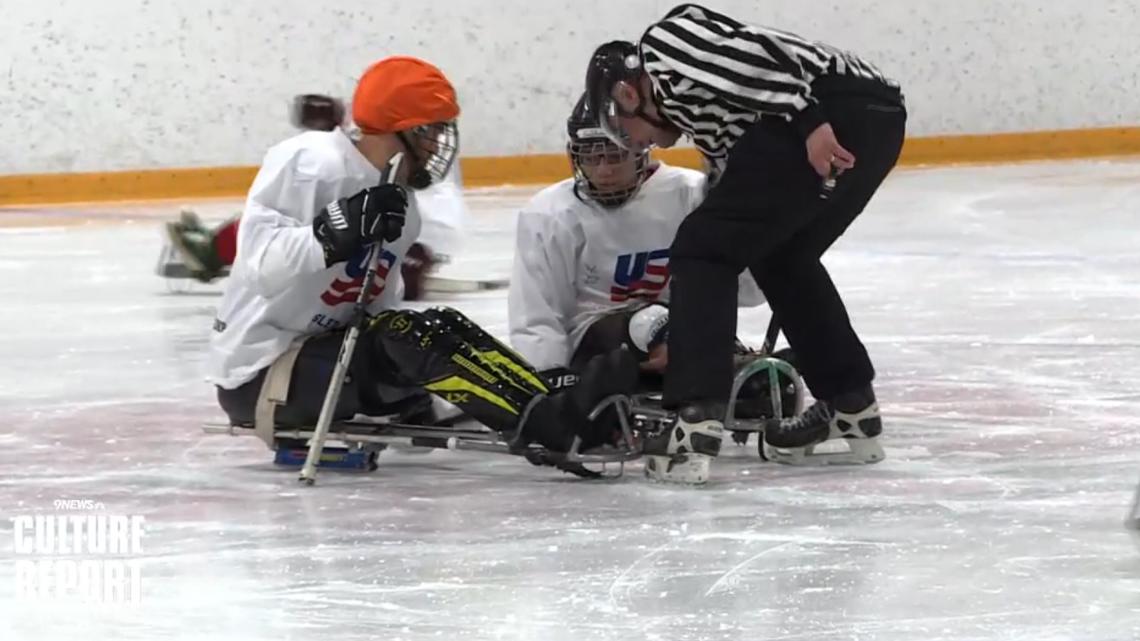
{"points": [[825, 152]]}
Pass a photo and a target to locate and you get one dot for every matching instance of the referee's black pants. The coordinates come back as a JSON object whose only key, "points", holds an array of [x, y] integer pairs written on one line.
{"points": [[765, 214]]}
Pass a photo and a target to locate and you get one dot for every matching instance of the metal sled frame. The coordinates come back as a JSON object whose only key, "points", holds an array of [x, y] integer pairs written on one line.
{"points": [[859, 451], [647, 406], [773, 367], [375, 433]]}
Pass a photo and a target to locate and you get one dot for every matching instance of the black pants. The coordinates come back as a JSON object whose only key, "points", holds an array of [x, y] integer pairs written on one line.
{"points": [[441, 352], [765, 214], [307, 387], [400, 357]]}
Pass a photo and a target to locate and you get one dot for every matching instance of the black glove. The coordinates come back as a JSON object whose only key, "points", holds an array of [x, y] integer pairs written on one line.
{"points": [[374, 214]]}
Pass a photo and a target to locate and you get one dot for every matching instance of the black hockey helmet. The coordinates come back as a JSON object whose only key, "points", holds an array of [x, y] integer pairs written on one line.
{"points": [[603, 172], [615, 62]]}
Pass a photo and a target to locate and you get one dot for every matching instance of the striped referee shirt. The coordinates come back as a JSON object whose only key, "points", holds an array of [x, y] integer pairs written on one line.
{"points": [[714, 76]]}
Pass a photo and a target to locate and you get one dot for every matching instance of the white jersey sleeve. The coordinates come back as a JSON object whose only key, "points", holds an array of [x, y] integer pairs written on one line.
{"points": [[275, 239], [542, 301]]}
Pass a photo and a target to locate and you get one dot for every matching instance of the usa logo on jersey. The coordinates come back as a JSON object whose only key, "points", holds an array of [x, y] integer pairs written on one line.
{"points": [[346, 288], [641, 275]]}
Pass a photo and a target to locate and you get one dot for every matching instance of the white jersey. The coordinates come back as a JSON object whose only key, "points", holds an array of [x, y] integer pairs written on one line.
{"points": [[575, 261], [279, 288]]}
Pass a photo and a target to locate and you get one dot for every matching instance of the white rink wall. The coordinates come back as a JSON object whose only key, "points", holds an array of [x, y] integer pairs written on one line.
{"points": [[107, 85]]}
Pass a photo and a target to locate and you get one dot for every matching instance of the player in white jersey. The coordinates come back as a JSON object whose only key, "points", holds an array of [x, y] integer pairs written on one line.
{"points": [[593, 244], [207, 253], [591, 269], [317, 206]]}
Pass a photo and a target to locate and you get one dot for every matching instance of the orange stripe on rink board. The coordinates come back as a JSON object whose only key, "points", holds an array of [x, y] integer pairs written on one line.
{"points": [[147, 184], [1015, 147], [231, 182]]}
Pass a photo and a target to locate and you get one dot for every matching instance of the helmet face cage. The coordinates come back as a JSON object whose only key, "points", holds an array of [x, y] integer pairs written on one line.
{"points": [[434, 148], [593, 152]]}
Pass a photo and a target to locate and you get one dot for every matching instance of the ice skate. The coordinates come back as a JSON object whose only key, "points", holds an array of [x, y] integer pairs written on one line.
{"points": [[684, 453], [852, 417]]}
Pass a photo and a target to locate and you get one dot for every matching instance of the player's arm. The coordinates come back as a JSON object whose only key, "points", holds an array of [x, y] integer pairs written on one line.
{"points": [[286, 231], [275, 240], [749, 66], [541, 300]]}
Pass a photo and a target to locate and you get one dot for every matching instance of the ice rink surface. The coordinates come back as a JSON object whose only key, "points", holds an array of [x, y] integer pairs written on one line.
{"points": [[1001, 306]]}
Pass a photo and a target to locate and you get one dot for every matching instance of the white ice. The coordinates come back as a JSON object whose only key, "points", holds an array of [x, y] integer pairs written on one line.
{"points": [[1001, 306]]}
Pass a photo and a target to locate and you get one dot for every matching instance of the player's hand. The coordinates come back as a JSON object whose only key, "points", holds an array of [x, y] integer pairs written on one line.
{"points": [[385, 212], [825, 152], [376, 213]]}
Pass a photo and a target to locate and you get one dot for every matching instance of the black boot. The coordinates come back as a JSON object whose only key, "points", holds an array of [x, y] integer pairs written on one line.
{"points": [[554, 421]]}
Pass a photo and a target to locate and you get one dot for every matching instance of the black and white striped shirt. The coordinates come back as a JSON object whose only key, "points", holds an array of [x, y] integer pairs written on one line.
{"points": [[714, 76]]}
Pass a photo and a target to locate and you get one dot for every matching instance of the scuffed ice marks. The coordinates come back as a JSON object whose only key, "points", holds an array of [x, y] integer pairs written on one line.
{"points": [[997, 304]]}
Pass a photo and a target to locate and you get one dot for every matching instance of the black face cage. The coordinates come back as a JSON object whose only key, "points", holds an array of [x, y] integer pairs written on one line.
{"points": [[591, 153], [433, 149]]}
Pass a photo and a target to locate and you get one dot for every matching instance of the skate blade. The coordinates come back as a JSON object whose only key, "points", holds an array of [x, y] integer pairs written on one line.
{"points": [[860, 451], [679, 469]]}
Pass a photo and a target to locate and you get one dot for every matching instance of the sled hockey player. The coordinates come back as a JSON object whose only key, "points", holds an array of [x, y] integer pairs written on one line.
{"points": [[591, 267], [208, 253], [319, 204]]}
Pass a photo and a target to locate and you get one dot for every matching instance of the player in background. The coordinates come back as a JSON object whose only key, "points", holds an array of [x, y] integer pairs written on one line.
{"points": [[209, 252], [319, 203]]}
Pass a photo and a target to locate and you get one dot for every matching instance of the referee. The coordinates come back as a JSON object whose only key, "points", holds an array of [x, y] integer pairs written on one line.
{"points": [[798, 136]]}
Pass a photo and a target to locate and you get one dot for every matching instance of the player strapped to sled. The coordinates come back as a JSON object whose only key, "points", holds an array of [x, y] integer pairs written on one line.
{"points": [[354, 444]]}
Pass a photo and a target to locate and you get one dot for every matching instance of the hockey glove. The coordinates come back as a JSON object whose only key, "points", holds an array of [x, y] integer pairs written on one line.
{"points": [[373, 214]]}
